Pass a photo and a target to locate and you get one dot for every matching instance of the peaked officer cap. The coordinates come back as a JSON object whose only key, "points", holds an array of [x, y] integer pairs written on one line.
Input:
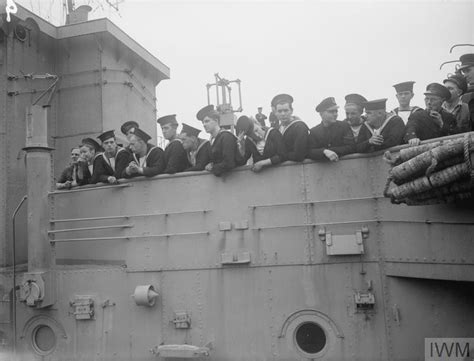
{"points": [[466, 60], [355, 99], [201, 114], [127, 126], [282, 98], [190, 131], [244, 124], [406, 86], [91, 142], [326, 104], [459, 80], [106, 135], [439, 90], [140, 134], [377, 104]]}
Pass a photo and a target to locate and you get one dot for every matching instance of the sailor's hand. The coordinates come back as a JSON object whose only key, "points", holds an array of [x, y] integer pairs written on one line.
{"points": [[112, 180], [332, 156], [376, 139], [414, 142], [257, 167], [209, 167], [437, 118]]}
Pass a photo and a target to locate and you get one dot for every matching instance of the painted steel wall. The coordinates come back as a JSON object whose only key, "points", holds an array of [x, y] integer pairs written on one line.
{"points": [[171, 232]]}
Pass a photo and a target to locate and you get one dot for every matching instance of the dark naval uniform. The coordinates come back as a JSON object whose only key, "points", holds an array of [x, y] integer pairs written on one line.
{"points": [[392, 131], [274, 148], [69, 174], [335, 136], [176, 159], [103, 168], [86, 173], [420, 125], [296, 139], [224, 153], [201, 157], [153, 164]]}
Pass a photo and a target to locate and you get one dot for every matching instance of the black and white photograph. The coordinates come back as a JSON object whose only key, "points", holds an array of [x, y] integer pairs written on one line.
{"points": [[236, 180]]}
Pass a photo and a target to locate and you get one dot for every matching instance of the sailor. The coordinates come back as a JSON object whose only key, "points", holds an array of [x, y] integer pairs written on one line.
{"points": [[110, 164], [381, 129], [175, 155], [260, 116], [331, 138], [147, 159], [467, 70], [263, 145], [457, 86], [68, 177], [89, 150], [294, 130], [224, 152], [354, 109], [434, 121], [404, 96], [198, 150]]}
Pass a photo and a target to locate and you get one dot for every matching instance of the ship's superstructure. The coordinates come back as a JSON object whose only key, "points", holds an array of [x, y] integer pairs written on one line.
{"points": [[302, 262]]}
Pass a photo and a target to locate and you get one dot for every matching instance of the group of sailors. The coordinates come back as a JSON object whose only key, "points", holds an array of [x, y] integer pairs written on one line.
{"points": [[368, 127]]}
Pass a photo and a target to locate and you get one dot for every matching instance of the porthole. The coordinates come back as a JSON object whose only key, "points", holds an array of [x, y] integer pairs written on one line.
{"points": [[43, 339], [310, 338]]}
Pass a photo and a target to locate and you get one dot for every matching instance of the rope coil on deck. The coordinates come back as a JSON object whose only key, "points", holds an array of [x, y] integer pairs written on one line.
{"points": [[438, 172]]}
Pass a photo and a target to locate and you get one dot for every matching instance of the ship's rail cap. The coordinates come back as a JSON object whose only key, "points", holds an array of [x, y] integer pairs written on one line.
{"points": [[91, 27]]}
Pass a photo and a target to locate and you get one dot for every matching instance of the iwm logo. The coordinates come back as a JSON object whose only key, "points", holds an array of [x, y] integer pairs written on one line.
{"points": [[449, 349]]}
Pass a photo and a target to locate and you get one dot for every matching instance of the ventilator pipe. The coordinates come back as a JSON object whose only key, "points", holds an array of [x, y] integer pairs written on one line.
{"points": [[456, 45], [14, 273], [38, 181]]}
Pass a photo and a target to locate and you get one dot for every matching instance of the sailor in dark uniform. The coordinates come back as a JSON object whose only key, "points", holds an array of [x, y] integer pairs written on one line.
{"points": [[381, 130], [332, 138], [295, 132], [198, 150], [68, 177], [90, 150], [224, 152], [263, 145], [175, 155], [433, 122], [260, 117], [467, 70], [457, 86], [404, 96], [147, 159], [110, 164], [354, 109]]}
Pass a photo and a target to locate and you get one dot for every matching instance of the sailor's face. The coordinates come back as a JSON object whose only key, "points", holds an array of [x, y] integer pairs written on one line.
{"points": [[109, 145], [433, 102], [169, 131], [404, 98], [453, 89], [136, 146], [353, 114], [86, 153], [283, 112], [209, 124], [468, 73], [329, 116], [188, 142], [75, 155], [375, 117]]}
